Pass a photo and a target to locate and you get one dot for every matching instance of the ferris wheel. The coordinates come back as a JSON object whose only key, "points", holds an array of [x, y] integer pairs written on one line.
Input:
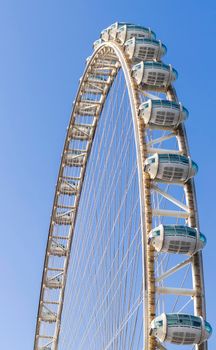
{"points": [[123, 266]]}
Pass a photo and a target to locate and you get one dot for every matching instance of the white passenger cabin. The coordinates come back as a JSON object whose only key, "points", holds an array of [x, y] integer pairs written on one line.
{"points": [[80, 131], [144, 49], [180, 329], [170, 167], [162, 114], [57, 249], [63, 218], [48, 316], [67, 188], [154, 74], [129, 31], [113, 29], [74, 158], [97, 43], [54, 283], [176, 239]]}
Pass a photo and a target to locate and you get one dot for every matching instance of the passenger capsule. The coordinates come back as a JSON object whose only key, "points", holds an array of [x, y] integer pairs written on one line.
{"points": [[74, 158], [97, 43], [154, 74], [67, 188], [48, 316], [54, 283], [57, 249], [177, 239], [88, 59], [144, 49], [87, 107], [129, 31], [162, 114], [80, 131], [180, 329], [170, 167], [63, 219], [105, 34], [111, 32]]}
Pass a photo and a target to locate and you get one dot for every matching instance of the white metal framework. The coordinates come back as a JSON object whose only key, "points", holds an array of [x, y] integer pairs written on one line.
{"points": [[170, 281]]}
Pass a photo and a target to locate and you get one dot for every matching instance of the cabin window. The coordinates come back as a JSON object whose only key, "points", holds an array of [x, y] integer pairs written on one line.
{"points": [[163, 158], [176, 73], [159, 323], [174, 158], [145, 40], [151, 160], [191, 234], [156, 233], [194, 166], [148, 64], [172, 319], [169, 231], [172, 322], [202, 238], [196, 323], [157, 64], [208, 328], [166, 103], [181, 230], [156, 102], [185, 322]]}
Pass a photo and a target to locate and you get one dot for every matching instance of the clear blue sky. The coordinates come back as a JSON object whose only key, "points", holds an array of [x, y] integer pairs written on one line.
{"points": [[43, 46]]}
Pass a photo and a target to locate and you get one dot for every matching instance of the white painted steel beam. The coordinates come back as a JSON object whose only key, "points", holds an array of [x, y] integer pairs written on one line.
{"points": [[171, 198], [171, 213], [176, 291], [161, 139], [174, 269]]}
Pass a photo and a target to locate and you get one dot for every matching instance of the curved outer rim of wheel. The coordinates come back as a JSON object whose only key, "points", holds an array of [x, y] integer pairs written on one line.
{"points": [[112, 47]]}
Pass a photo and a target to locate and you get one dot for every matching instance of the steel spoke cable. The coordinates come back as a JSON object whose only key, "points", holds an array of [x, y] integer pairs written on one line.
{"points": [[103, 133], [125, 273], [107, 294], [119, 269], [117, 272], [101, 216], [181, 285], [89, 191], [102, 141], [85, 270], [124, 323]]}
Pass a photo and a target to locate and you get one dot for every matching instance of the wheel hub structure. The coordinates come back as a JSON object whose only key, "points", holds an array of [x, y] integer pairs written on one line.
{"points": [[123, 266]]}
